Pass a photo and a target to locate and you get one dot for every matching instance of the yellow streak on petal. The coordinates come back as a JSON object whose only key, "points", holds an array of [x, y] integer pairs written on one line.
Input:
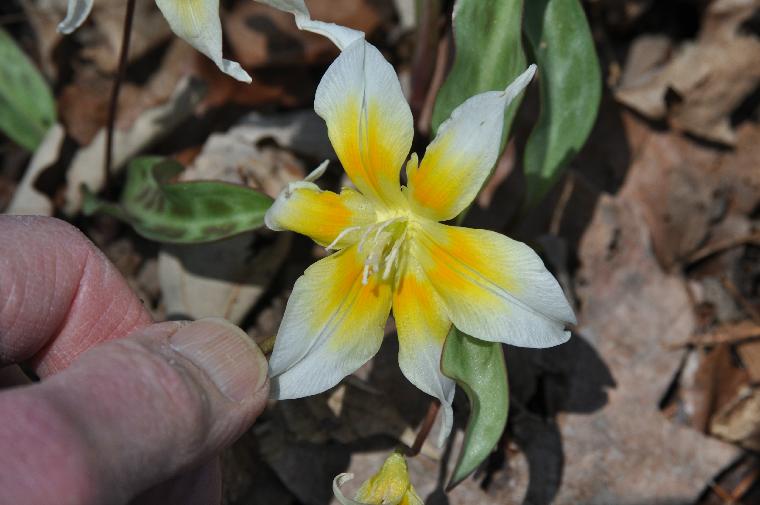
{"points": [[361, 147], [348, 305], [188, 11], [321, 215], [418, 317], [462, 264], [435, 184]]}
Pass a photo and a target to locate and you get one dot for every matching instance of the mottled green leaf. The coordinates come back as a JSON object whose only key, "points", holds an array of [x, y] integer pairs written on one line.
{"points": [[478, 368], [182, 212], [571, 88], [27, 108], [489, 55]]}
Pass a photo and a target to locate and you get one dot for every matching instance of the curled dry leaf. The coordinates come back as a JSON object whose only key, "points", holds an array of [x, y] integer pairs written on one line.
{"points": [[261, 36], [100, 36], [704, 80], [709, 380], [238, 155], [738, 420]]}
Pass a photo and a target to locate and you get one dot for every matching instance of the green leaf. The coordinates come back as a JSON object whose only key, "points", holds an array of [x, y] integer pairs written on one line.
{"points": [[489, 55], [571, 89], [478, 368], [27, 108], [183, 212]]}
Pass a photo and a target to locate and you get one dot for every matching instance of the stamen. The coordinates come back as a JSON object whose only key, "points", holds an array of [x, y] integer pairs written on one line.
{"points": [[341, 235], [375, 256], [365, 275], [385, 224], [392, 258], [385, 248], [364, 236]]}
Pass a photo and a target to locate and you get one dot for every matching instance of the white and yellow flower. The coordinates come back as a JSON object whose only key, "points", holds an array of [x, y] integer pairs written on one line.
{"points": [[196, 21], [389, 486], [393, 252]]}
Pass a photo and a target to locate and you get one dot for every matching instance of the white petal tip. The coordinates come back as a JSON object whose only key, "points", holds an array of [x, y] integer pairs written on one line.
{"points": [[234, 70], [317, 172], [269, 221], [69, 25], [76, 12], [520, 83], [338, 481]]}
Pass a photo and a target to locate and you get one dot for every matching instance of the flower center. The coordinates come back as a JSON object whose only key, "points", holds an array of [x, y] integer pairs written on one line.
{"points": [[381, 244]]}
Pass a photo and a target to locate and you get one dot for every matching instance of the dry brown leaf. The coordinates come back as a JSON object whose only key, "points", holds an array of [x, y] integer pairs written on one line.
{"points": [[739, 171], [102, 33], [152, 125], [631, 310], [237, 155], [227, 278], [27, 200], [262, 36], [705, 80], [44, 16], [709, 380], [749, 353], [220, 279], [670, 178], [738, 420], [83, 104]]}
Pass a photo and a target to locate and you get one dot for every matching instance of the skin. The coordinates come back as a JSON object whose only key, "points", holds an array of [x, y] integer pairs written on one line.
{"points": [[126, 411]]}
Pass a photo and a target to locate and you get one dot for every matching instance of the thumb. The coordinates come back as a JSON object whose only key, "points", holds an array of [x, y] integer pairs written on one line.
{"points": [[130, 413]]}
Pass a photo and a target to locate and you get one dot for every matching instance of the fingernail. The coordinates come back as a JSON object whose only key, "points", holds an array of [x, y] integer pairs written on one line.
{"points": [[225, 353]]}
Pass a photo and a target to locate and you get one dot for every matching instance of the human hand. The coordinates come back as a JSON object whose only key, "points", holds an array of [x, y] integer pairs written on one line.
{"points": [[126, 411]]}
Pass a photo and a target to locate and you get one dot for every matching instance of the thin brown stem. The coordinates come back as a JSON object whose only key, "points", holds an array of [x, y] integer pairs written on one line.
{"points": [[113, 105], [427, 425], [722, 245]]}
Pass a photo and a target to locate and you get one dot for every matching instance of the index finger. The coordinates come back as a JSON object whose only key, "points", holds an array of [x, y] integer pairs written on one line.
{"points": [[59, 294]]}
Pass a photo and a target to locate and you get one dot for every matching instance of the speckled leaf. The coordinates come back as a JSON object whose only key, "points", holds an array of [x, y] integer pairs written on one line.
{"points": [[570, 81], [27, 109], [489, 55], [478, 368], [182, 212]]}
